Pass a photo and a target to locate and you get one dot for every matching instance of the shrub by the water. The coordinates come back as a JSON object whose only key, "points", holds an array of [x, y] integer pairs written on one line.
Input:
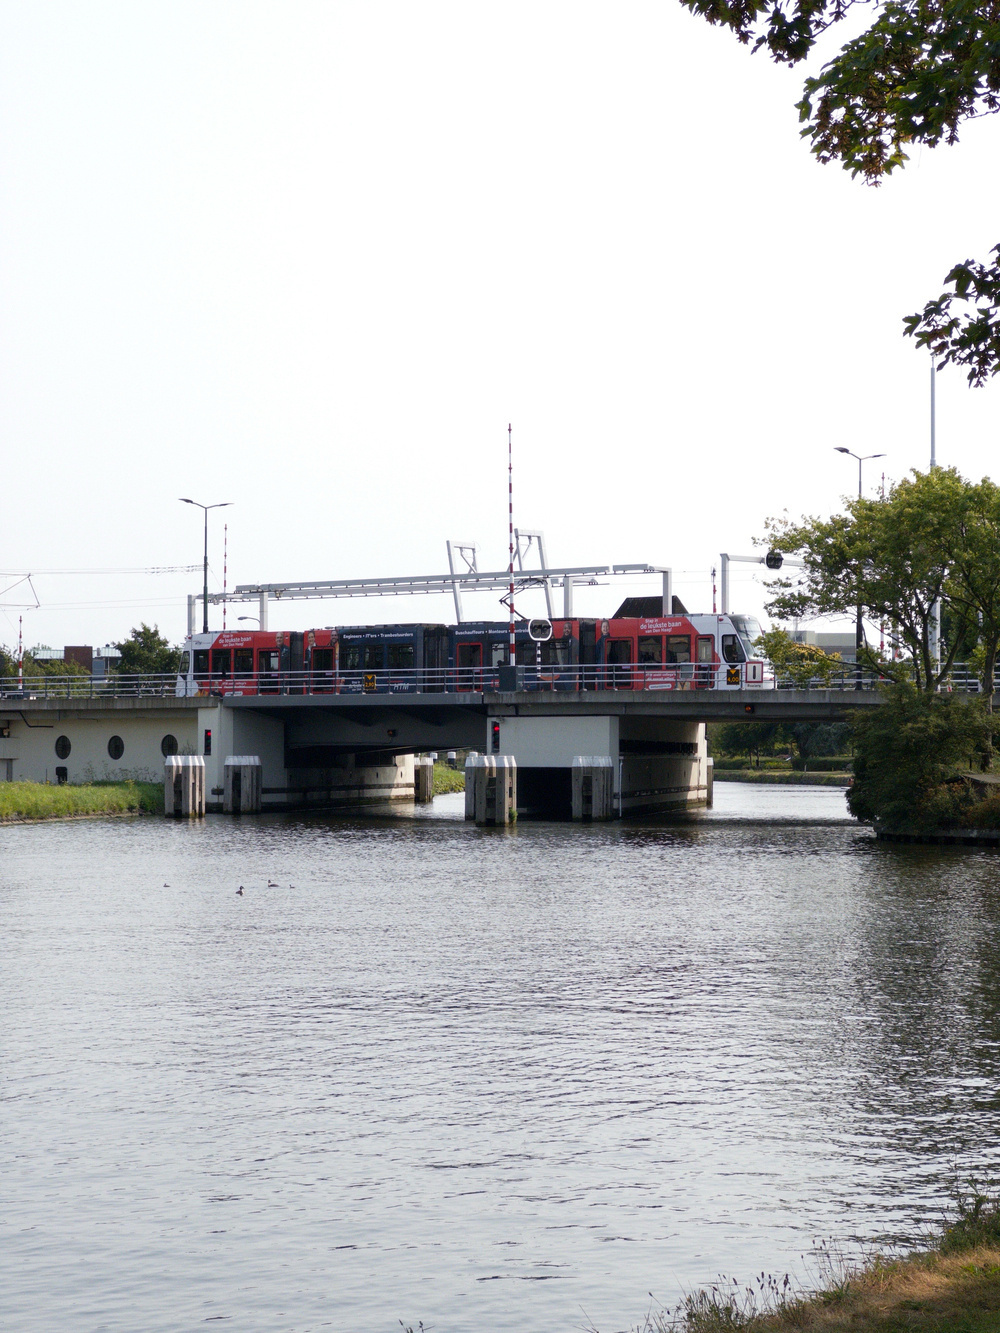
{"points": [[908, 753]]}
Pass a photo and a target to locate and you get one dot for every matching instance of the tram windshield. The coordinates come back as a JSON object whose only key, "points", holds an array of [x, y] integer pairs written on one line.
{"points": [[748, 628]]}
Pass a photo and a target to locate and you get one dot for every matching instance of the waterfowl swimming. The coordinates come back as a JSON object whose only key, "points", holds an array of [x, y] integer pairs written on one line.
{"points": [[239, 891]]}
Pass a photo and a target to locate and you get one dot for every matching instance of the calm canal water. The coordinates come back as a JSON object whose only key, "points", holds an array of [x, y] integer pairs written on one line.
{"points": [[487, 1079]]}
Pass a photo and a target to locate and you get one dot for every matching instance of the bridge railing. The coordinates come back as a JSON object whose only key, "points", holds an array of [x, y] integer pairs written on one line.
{"points": [[89, 687], [444, 680]]}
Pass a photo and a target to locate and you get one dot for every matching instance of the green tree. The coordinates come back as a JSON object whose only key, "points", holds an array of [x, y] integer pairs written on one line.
{"points": [[913, 77], [906, 750], [972, 588], [147, 652], [751, 739], [47, 666], [894, 557], [801, 663]]}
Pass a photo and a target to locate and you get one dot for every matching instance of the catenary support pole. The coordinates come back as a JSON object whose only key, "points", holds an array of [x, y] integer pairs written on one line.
{"points": [[510, 518]]}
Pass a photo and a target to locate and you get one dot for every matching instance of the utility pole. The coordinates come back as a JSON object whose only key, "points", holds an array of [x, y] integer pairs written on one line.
{"points": [[859, 629], [225, 505]]}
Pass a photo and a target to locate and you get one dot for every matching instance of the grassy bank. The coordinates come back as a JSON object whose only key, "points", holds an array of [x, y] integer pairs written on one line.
{"points": [[448, 779], [39, 800], [786, 776], [951, 1287]]}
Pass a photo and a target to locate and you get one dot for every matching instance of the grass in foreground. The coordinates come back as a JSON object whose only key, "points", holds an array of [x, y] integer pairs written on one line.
{"points": [[952, 1287], [40, 800]]}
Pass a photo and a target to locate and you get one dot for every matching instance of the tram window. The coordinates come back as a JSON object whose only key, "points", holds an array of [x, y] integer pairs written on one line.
{"points": [[243, 661], [555, 653], [350, 657], [650, 650], [201, 662], [322, 659], [185, 660], [706, 650], [620, 652], [269, 659], [678, 648], [524, 653], [498, 654], [731, 649], [373, 659], [221, 662], [401, 656], [470, 655]]}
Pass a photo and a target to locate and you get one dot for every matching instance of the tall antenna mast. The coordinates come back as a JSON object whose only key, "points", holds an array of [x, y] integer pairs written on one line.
{"points": [[510, 517]]}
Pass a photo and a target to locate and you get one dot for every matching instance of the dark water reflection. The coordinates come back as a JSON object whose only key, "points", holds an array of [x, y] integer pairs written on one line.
{"points": [[485, 1079]]}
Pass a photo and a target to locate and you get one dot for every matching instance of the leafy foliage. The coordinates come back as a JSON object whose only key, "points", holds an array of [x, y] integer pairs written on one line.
{"points": [[146, 651], [906, 751], [38, 666], [935, 536], [920, 69], [752, 739], [962, 326], [799, 662]]}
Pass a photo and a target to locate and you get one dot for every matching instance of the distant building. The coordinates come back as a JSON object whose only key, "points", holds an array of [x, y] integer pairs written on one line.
{"points": [[105, 660], [842, 642], [80, 654]]}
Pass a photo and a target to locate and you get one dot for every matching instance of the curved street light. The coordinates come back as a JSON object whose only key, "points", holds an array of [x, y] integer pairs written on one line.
{"points": [[225, 505]]}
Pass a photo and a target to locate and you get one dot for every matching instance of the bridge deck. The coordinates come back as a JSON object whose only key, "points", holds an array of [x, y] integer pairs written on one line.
{"points": [[758, 705]]}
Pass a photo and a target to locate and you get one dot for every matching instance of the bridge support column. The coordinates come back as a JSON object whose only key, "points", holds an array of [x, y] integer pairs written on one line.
{"points": [[242, 784], [423, 780], [184, 786], [593, 787], [491, 789]]}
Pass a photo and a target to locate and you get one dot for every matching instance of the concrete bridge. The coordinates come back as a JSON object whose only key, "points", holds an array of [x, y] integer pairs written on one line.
{"points": [[327, 748]]}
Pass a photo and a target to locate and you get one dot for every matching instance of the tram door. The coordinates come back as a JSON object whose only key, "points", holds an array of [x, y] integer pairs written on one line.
{"points": [[469, 661], [619, 657], [706, 662], [435, 657]]}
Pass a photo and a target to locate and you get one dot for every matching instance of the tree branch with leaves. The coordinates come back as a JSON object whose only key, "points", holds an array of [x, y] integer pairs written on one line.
{"points": [[913, 77]]}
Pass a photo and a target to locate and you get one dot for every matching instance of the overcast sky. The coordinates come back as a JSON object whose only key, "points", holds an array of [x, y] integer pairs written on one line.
{"points": [[311, 258]]}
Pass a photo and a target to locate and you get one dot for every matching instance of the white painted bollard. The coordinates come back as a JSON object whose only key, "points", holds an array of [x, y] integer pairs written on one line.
{"points": [[242, 780], [491, 788], [184, 786], [593, 787], [423, 779]]}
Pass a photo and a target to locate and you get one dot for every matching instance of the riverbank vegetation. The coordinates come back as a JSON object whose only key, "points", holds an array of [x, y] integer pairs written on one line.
{"points": [[41, 800], [448, 779], [952, 1286], [918, 761]]}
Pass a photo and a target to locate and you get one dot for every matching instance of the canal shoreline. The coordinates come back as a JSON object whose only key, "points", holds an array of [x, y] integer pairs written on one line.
{"points": [[40, 802], [951, 1286]]}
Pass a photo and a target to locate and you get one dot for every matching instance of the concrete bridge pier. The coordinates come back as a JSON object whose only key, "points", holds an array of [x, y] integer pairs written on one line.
{"points": [[184, 786], [571, 767], [592, 781], [490, 789], [242, 794]]}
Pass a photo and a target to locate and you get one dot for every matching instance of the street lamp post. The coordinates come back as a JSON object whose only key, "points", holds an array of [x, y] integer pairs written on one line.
{"points": [[255, 619], [206, 508], [859, 631]]}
